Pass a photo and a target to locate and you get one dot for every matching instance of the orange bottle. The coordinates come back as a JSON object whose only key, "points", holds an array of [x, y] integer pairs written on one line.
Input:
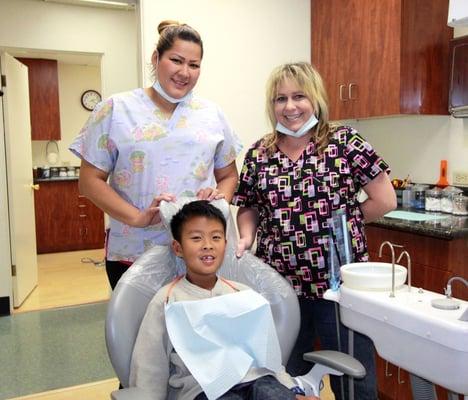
{"points": [[443, 182]]}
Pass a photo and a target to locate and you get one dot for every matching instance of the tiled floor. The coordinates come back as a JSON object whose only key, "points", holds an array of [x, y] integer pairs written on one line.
{"points": [[91, 391], [60, 353], [45, 350]]}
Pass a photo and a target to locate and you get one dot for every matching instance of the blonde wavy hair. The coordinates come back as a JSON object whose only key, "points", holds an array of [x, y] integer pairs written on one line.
{"points": [[308, 80]]}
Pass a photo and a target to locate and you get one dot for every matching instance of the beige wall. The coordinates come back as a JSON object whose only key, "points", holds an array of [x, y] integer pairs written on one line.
{"points": [[243, 41], [415, 145], [33, 24], [73, 81]]}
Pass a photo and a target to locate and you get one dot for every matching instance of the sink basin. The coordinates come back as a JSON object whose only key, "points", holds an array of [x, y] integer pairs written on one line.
{"points": [[410, 333], [372, 276]]}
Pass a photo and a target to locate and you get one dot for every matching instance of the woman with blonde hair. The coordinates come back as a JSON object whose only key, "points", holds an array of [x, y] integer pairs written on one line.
{"points": [[292, 181], [155, 143]]}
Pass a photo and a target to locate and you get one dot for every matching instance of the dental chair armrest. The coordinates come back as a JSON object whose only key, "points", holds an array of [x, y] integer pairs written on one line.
{"points": [[328, 362], [339, 361], [133, 393]]}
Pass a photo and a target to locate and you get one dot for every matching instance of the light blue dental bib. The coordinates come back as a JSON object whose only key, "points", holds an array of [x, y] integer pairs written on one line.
{"points": [[219, 339]]}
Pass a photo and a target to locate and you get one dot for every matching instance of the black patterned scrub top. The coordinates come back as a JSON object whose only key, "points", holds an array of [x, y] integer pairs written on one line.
{"points": [[295, 201]]}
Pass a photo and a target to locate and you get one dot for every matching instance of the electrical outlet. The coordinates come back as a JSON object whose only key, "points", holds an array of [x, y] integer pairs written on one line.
{"points": [[460, 178]]}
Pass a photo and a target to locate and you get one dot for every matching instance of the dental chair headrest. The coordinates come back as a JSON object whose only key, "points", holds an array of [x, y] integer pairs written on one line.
{"points": [[168, 209]]}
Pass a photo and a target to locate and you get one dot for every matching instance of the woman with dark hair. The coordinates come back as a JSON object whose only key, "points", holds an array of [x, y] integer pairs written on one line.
{"points": [[152, 144]]}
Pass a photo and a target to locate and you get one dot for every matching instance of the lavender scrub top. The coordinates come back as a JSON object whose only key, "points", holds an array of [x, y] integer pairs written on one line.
{"points": [[147, 153], [295, 201]]}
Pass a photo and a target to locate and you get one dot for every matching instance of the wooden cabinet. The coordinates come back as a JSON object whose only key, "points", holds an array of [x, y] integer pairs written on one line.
{"points": [[380, 58], [393, 382], [66, 220], [434, 261], [458, 95], [43, 98]]}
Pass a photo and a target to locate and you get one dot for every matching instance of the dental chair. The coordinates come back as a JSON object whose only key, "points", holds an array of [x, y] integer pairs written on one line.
{"points": [[138, 285]]}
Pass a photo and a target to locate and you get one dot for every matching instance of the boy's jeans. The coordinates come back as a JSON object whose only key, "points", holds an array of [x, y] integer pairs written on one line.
{"points": [[264, 388]]}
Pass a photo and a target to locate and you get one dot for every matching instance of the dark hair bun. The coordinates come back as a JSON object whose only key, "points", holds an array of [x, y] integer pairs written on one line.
{"points": [[167, 23]]}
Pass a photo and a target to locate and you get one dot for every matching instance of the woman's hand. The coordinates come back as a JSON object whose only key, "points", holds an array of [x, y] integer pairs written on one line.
{"points": [[209, 194], [242, 245], [150, 216], [301, 397], [247, 221]]}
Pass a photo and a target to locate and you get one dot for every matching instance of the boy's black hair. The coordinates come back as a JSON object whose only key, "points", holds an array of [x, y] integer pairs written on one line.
{"points": [[198, 208]]}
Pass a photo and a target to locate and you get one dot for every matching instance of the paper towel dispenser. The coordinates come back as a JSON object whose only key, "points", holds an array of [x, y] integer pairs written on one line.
{"points": [[458, 93], [458, 13]]}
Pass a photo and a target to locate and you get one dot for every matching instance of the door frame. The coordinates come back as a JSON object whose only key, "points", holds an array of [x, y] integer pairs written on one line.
{"points": [[6, 278], [6, 287]]}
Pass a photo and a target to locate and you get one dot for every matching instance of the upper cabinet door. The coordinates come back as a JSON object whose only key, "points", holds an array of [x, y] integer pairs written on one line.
{"points": [[43, 98], [381, 58], [336, 52], [459, 74]]}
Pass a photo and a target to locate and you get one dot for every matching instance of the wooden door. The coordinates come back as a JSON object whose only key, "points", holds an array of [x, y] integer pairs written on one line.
{"points": [[56, 226], [43, 98], [335, 50], [459, 72], [379, 64], [91, 224], [19, 177], [65, 220]]}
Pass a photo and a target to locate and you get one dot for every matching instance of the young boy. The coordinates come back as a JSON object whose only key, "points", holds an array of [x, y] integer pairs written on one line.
{"points": [[199, 232]]}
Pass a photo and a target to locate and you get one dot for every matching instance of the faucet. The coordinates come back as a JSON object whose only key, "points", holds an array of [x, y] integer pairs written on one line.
{"points": [[448, 289], [405, 253], [392, 249]]}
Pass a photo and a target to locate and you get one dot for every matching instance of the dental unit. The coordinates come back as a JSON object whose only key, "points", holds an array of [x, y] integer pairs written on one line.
{"points": [[423, 332]]}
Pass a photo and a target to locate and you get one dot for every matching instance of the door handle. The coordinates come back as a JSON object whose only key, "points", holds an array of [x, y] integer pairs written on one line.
{"points": [[350, 91], [341, 93], [400, 381], [387, 373], [35, 187]]}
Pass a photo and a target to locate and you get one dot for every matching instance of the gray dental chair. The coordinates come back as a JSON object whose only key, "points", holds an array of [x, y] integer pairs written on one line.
{"points": [[138, 285]]}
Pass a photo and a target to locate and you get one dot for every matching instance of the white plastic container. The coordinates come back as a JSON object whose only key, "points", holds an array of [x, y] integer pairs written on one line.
{"points": [[447, 198], [433, 199]]}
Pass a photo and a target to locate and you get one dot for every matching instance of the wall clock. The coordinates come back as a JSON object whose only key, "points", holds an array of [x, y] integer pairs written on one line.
{"points": [[89, 99]]}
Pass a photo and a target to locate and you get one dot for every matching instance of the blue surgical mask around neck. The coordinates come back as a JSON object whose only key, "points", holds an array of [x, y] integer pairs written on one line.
{"points": [[159, 89], [309, 124]]}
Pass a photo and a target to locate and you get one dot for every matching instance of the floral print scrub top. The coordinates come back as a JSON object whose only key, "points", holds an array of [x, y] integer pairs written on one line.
{"points": [[147, 154], [295, 201]]}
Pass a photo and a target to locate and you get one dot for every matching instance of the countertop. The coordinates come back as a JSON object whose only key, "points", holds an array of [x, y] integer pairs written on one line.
{"points": [[57, 179], [449, 227]]}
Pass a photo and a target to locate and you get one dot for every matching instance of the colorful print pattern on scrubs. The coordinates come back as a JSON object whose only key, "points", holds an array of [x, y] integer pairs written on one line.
{"points": [[295, 201]]}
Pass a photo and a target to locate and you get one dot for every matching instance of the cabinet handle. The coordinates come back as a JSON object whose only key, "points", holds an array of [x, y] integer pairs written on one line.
{"points": [[82, 205], [35, 187], [80, 196], [83, 215], [386, 369], [350, 91], [341, 93], [400, 381]]}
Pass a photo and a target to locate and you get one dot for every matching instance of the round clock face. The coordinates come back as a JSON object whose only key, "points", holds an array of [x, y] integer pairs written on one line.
{"points": [[89, 99]]}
